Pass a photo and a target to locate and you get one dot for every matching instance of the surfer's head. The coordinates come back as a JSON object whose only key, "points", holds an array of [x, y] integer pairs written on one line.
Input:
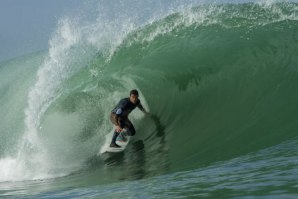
{"points": [[134, 96]]}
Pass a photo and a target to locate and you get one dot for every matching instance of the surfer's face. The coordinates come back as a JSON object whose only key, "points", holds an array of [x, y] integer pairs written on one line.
{"points": [[133, 99]]}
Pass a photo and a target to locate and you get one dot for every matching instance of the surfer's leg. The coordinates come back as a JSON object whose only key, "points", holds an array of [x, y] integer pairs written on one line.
{"points": [[114, 121], [130, 127], [113, 143], [113, 118]]}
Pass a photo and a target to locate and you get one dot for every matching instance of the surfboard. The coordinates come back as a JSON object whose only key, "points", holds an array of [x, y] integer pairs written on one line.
{"points": [[122, 140]]}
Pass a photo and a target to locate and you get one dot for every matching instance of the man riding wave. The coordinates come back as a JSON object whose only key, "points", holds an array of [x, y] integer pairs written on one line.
{"points": [[119, 115]]}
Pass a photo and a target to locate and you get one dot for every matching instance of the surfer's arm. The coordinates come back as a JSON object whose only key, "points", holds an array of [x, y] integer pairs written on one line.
{"points": [[142, 108]]}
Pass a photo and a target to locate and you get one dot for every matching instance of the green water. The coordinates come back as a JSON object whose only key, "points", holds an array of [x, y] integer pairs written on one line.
{"points": [[219, 80]]}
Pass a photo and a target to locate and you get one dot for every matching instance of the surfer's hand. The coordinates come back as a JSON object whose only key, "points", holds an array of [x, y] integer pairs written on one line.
{"points": [[118, 129]]}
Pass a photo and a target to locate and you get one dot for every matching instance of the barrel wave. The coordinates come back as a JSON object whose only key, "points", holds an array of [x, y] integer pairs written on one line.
{"points": [[220, 82]]}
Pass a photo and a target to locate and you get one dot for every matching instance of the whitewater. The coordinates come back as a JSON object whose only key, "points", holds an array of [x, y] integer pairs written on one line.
{"points": [[219, 79]]}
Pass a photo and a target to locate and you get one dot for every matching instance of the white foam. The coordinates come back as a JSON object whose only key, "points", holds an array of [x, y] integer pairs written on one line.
{"points": [[31, 160], [6, 165]]}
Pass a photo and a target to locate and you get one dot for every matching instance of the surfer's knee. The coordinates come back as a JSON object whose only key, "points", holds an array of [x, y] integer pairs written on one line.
{"points": [[113, 118]]}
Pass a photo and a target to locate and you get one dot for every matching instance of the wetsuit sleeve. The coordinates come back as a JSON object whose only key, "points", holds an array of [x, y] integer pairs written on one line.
{"points": [[119, 111], [141, 107]]}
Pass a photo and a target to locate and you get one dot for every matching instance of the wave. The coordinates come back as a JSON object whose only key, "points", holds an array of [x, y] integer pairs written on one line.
{"points": [[219, 81]]}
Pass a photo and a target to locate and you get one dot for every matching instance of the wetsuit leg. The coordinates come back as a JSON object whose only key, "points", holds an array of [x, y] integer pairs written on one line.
{"points": [[114, 121], [123, 124], [113, 118], [130, 127], [114, 137]]}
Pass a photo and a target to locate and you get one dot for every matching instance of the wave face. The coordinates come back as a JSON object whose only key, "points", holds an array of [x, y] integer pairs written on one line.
{"points": [[219, 80]]}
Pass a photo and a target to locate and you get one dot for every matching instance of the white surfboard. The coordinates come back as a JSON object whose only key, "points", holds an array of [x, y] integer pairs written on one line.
{"points": [[122, 140]]}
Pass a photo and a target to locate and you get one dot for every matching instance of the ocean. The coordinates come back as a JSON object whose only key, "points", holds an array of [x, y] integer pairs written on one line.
{"points": [[219, 80]]}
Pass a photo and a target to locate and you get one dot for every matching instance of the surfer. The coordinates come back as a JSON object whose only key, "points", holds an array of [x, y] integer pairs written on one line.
{"points": [[119, 115]]}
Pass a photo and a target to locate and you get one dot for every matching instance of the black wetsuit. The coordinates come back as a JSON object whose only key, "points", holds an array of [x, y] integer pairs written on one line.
{"points": [[119, 116]]}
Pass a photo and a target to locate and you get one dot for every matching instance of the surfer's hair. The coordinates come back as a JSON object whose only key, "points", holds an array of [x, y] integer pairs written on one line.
{"points": [[134, 92]]}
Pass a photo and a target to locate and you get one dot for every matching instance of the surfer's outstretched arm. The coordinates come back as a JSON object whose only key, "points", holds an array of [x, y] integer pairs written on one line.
{"points": [[142, 108]]}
